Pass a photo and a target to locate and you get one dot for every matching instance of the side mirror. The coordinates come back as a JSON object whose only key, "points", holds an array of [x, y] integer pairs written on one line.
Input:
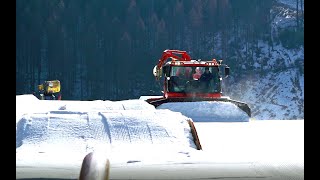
{"points": [[226, 71], [157, 72]]}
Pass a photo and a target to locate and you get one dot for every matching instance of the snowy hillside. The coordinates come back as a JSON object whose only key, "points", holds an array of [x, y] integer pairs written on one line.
{"points": [[276, 88], [291, 3], [278, 93]]}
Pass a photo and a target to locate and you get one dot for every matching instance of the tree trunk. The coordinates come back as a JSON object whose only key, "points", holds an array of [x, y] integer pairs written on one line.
{"points": [[297, 14], [301, 7]]}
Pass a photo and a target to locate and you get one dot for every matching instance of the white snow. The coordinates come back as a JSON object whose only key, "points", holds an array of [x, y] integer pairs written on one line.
{"points": [[208, 111], [58, 134], [80, 127], [276, 100], [291, 3], [276, 93]]}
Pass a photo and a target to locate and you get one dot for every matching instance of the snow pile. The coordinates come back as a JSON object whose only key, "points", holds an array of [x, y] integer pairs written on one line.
{"points": [[85, 131], [80, 127], [28, 103], [208, 111]]}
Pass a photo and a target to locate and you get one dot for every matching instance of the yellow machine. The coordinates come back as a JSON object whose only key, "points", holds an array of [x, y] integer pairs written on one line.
{"points": [[50, 90]]}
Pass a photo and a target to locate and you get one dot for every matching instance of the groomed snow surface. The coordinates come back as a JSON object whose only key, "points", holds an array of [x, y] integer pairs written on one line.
{"points": [[85, 126], [53, 137], [208, 111]]}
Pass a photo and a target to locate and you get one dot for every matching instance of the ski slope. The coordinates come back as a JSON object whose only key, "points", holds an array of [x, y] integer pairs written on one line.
{"points": [[141, 142]]}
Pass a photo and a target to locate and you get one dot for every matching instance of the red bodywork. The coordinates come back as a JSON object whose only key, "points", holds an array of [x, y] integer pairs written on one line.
{"points": [[173, 54], [183, 60]]}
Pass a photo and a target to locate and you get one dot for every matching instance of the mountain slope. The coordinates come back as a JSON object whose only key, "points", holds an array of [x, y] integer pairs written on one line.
{"points": [[272, 81]]}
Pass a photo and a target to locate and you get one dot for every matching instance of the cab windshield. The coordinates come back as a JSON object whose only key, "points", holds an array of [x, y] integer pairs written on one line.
{"points": [[194, 79]]}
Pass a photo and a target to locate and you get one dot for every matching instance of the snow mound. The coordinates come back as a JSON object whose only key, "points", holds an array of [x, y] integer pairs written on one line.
{"points": [[79, 127], [99, 105], [28, 103], [208, 111], [84, 132]]}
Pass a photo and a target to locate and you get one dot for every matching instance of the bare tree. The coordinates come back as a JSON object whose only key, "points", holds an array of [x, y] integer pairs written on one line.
{"points": [[297, 14]]}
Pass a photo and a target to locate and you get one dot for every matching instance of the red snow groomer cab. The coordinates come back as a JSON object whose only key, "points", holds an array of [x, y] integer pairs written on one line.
{"points": [[188, 80]]}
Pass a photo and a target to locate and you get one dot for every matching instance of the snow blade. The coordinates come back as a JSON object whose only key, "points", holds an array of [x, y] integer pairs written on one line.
{"points": [[241, 105]]}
